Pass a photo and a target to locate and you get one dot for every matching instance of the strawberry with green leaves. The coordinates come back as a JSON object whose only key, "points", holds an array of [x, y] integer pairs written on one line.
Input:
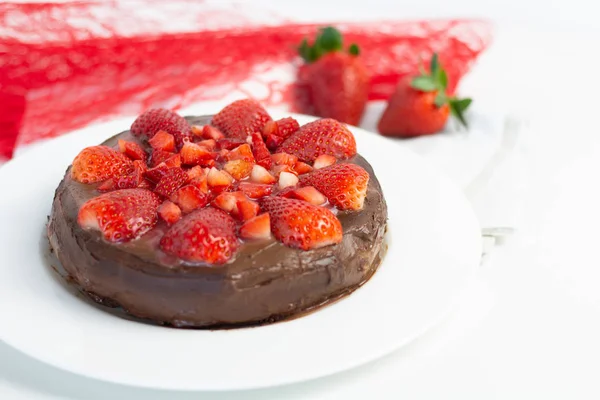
{"points": [[421, 105], [336, 78]]}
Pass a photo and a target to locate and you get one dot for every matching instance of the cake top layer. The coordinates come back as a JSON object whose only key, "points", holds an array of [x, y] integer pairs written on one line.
{"points": [[242, 178]]}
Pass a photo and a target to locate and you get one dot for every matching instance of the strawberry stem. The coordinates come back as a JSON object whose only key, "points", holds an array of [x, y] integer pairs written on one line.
{"points": [[328, 40]]}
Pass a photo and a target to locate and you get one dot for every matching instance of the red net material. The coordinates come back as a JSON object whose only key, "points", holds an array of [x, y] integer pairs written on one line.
{"points": [[64, 65]]}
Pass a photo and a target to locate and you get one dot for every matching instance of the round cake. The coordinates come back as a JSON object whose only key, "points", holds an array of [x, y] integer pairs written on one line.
{"points": [[228, 221]]}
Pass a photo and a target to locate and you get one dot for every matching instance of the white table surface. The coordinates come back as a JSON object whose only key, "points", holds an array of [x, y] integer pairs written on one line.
{"points": [[528, 326]]}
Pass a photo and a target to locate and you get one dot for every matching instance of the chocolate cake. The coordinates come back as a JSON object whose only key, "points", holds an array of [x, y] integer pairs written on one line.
{"points": [[153, 271]]}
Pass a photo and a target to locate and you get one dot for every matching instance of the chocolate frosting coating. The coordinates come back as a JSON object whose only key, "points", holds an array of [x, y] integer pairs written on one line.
{"points": [[265, 282]]}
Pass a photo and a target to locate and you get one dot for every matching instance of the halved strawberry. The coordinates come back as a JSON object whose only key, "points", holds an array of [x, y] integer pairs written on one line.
{"points": [[160, 156], [302, 168], [132, 150], [261, 175], [287, 179], [260, 151], [324, 136], [255, 190], [324, 160], [219, 179], [230, 143], [256, 228], [310, 194], [243, 152], [344, 185], [169, 212], [99, 163], [194, 154], [241, 118], [162, 141], [284, 159], [210, 132], [129, 181], [299, 224], [160, 119], [238, 169], [173, 179], [122, 215], [189, 198], [206, 235]]}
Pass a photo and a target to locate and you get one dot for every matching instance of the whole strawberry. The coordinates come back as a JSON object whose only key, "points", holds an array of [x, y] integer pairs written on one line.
{"points": [[337, 80], [159, 119], [241, 119], [421, 105]]}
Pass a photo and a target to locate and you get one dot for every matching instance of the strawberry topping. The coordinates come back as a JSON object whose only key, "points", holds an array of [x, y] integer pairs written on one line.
{"points": [[344, 185], [132, 150], [160, 119], [241, 118], [256, 228], [99, 163]]}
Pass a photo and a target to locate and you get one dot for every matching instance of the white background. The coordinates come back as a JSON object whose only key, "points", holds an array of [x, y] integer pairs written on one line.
{"points": [[529, 324]]}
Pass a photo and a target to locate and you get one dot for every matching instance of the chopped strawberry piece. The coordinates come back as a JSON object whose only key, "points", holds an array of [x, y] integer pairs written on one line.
{"points": [[210, 132], [162, 141], [173, 161], [324, 136], [324, 160], [344, 185], [255, 190], [155, 174], [299, 224], [218, 178], [194, 154], [302, 168], [132, 150], [159, 156], [278, 169], [246, 209], [196, 130], [169, 212], [256, 228], [99, 163], [201, 183], [173, 179], [189, 198], [122, 215], [206, 235], [227, 201], [273, 142], [260, 151], [284, 159], [129, 181], [230, 143], [287, 179], [160, 119], [260, 175], [196, 172], [210, 144], [310, 194], [238, 169], [282, 128], [243, 152], [241, 118], [270, 128], [146, 184]]}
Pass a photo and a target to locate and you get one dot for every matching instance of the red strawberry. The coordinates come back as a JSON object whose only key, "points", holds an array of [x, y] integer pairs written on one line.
{"points": [[230, 143], [208, 143], [241, 118], [421, 105], [130, 181], [239, 169], [160, 119], [302, 168], [344, 185], [121, 215], [99, 163], [210, 132], [299, 224], [284, 159], [261, 175], [219, 179], [287, 179], [194, 154], [173, 179], [257, 228], [245, 209], [160, 156], [189, 198], [282, 128], [162, 141], [196, 172], [206, 235], [324, 136], [273, 142], [173, 161], [227, 201], [243, 152], [278, 169], [132, 150], [255, 190], [260, 151], [337, 80], [169, 212], [155, 174], [310, 194]]}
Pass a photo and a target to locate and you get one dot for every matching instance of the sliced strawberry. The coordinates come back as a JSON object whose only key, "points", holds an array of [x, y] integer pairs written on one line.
{"points": [[238, 169], [241, 118], [324, 160], [230, 143], [155, 174], [122, 215], [299, 224], [227, 201], [287, 179], [260, 151], [284, 159], [220, 179], [169, 212], [255, 190], [302, 168], [159, 156], [324, 136], [261, 175], [256, 228], [173, 161], [194, 154], [310, 194], [173, 179], [162, 141], [132, 150], [160, 119], [243, 152], [210, 132], [189, 198], [210, 144], [246, 209], [273, 142], [206, 235], [344, 185], [99, 163]]}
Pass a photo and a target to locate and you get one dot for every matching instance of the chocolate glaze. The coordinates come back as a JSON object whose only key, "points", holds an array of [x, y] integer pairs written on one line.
{"points": [[265, 282]]}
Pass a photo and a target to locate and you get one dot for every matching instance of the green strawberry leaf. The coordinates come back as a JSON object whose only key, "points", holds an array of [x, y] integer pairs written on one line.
{"points": [[440, 99], [424, 84], [304, 50], [329, 39], [442, 78], [354, 49], [458, 108], [434, 65]]}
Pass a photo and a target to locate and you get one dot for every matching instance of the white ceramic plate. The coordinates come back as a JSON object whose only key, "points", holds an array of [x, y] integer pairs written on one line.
{"points": [[434, 245]]}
